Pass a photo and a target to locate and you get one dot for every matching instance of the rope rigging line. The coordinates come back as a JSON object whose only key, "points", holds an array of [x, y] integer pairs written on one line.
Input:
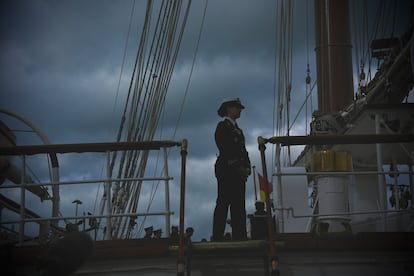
{"points": [[155, 51], [123, 170], [118, 85], [275, 104], [153, 192], [284, 79], [374, 25], [307, 96], [308, 79], [358, 40], [158, 47], [191, 70], [163, 98], [157, 111], [308, 86]]}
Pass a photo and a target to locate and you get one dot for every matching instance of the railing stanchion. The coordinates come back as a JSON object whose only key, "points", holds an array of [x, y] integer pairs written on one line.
{"points": [[274, 262], [108, 185], [22, 201], [167, 196], [181, 262]]}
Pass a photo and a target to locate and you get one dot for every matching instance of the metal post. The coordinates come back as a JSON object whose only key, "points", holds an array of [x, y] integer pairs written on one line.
{"points": [[181, 262], [55, 188], [77, 202], [381, 185], [22, 201], [108, 235], [254, 183], [411, 181], [281, 218], [274, 263], [167, 196], [395, 188]]}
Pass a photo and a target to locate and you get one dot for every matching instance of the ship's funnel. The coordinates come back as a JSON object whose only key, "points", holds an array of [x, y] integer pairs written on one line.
{"points": [[332, 190]]}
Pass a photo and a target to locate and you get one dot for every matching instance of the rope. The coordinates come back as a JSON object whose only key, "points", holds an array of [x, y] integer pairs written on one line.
{"points": [[374, 25], [153, 68], [275, 103], [162, 99], [118, 85], [191, 70], [284, 82], [308, 95]]}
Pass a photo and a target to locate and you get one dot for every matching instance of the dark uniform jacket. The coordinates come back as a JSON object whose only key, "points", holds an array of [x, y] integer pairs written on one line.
{"points": [[233, 156]]}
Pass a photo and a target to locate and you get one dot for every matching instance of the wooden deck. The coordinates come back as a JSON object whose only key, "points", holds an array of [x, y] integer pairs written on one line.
{"points": [[333, 254]]}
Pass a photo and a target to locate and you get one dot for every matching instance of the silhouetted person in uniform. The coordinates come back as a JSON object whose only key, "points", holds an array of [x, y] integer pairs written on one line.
{"points": [[174, 233], [189, 233], [148, 232], [260, 208], [157, 234], [231, 169], [258, 222]]}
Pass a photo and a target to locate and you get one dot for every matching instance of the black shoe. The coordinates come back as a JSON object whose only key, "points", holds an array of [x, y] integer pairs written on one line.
{"points": [[240, 239], [217, 238], [239, 236]]}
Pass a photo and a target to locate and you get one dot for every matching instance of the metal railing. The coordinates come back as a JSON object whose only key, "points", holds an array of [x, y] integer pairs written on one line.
{"points": [[26, 216], [315, 140]]}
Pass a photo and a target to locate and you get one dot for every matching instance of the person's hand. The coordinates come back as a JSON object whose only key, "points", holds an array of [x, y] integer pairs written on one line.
{"points": [[244, 172]]}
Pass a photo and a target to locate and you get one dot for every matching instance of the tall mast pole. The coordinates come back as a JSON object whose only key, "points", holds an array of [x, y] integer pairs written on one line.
{"points": [[333, 55]]}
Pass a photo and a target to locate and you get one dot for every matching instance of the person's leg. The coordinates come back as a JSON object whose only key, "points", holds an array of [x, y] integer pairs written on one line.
{"points": [[238, 211], [220, 211]]}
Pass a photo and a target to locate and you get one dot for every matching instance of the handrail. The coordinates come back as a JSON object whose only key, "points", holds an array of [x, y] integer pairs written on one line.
{"points": [[86, 147], [338, 139], [53, 158], [40, 219], [315, 140], [81, 148], [292, 213], [103, 180], [181, 260]]}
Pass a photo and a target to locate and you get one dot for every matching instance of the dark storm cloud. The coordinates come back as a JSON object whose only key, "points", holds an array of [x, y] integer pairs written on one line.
{"points": [[60, 60], [60, 53], [232, 31], [67, 36]]}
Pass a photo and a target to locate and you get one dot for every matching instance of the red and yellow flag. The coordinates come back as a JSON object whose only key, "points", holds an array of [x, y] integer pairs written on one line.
{"points": [[262, 187]]}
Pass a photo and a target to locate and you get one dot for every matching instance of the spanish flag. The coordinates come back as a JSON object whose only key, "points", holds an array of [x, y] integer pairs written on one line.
{"points": [[262, 187]]}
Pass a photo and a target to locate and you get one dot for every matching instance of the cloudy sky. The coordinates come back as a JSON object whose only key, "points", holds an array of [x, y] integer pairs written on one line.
{"points": [[61, 61]]}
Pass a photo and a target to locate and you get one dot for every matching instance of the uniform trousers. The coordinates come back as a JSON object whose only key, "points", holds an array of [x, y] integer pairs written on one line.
{"points": [[231, 194]]}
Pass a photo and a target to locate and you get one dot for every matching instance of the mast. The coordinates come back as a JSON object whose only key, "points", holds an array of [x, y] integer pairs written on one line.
{"points": [[333, 55], [335, 92]]}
